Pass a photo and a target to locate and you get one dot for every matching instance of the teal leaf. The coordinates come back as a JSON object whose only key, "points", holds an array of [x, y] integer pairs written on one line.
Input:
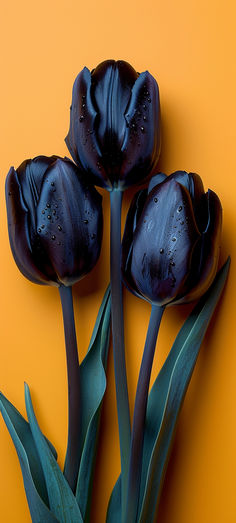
{"points": [[61, 498], [34, 483], [93, 386], [167, 395], [114, 506]]}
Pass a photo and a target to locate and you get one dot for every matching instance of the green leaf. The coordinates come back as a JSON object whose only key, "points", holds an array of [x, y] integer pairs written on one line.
{"points": [[32, 472], [167, 395], [114, 507], [61, 498], [93, 386]]}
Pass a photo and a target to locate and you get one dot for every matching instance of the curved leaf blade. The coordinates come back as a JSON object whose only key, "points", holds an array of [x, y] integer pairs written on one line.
{"points": [[167, 395], [61, 498], [33, 478], [114, 506], [93, 386]]}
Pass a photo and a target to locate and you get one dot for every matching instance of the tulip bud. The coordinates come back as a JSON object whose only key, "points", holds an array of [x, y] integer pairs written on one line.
{"points": [[170, 247], [54, 221], [115, 124]]}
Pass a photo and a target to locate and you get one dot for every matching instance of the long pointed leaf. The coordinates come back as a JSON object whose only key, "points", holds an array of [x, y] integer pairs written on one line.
{"points": [[93, 385], [33, 478], [167, 395], [61, 498], [114, 507]]}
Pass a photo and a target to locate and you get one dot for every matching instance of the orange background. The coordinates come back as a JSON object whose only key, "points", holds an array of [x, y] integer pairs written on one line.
{"points": [[189, 46]]}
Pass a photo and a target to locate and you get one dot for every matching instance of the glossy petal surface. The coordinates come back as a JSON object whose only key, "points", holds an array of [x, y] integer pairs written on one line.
{"points": [[71, 226], [54, 221], [141, 147], [115, 124], [18, 228], [205, 268]]}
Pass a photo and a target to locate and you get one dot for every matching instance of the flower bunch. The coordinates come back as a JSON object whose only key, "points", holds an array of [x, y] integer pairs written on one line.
{"points": [[169, 255]]}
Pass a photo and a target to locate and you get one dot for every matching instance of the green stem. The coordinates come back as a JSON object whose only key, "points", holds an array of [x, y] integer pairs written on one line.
{"points": [[136, 452], [122, 398], [72, 460]]}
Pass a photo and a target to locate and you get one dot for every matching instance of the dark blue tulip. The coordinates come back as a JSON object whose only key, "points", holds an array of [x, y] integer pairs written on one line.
{"points": [[54, 221], [115, 124], [171, 242]]}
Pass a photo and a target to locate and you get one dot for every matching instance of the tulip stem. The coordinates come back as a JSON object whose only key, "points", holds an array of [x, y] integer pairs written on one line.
{"points": [[72, 460], [137, 437], [122, 397]]}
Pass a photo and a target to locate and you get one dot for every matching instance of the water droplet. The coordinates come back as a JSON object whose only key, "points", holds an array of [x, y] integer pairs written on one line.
{"points": [[180, 208], [83, 97], [52, 184], [182, 223], [149, 100], [83, 105], [144, 118], [161, 251], [49, 216], [48, 205], [173, 239], [53, 237], [133, 126], [56, 205], [43, 212], [142, 129], [81, 118], [85, 221], [39, 230], [54, 212], [59, 228], [144, 106], [155, 200], [42, 226], [172, 263]]}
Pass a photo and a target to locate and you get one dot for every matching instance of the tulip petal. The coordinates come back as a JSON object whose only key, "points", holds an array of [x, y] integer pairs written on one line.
{"points": [[18, 227], [81, 133], [133, 216], [163, 243], [155, 180], [205, 261], [141, 146], [30, 175], [112, 84], [69, 220], [194, 185]]}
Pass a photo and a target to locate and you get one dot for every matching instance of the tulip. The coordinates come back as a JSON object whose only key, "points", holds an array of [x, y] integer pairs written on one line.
{"points": [[115, 124], [114, 136], [170, 254], [55, 231], [54, 221], [171, 240]]}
